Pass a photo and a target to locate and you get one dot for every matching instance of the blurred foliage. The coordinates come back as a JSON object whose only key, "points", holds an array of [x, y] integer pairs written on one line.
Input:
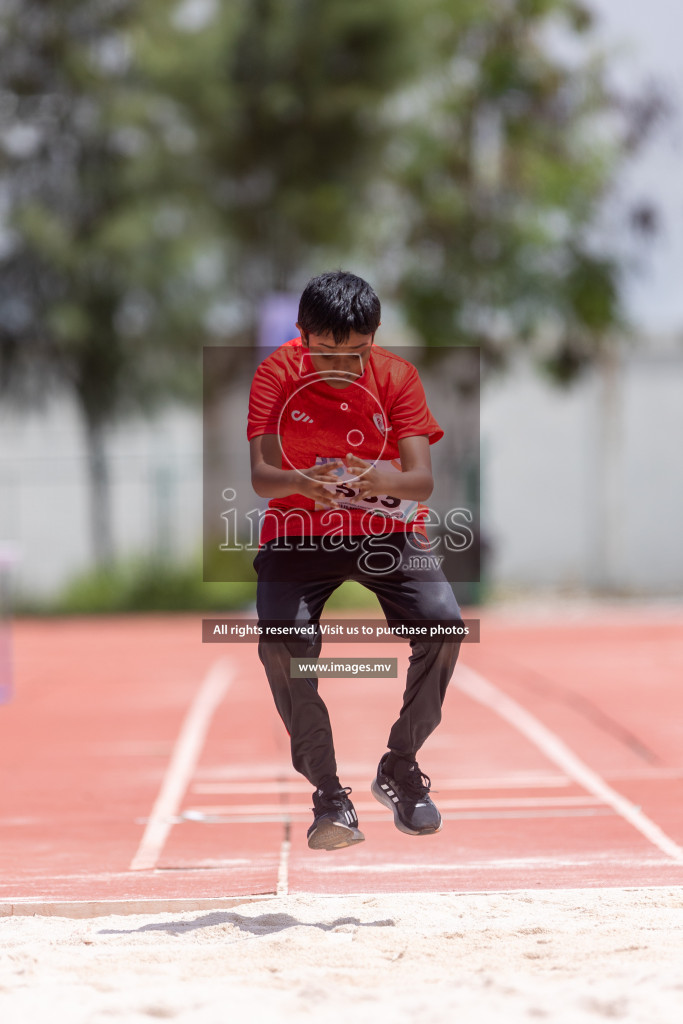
{"points": [[97, 260], [98, 293], [505, 162], [165, 166], [285, 103], [161, 174], [141, 585], [155, 585]]}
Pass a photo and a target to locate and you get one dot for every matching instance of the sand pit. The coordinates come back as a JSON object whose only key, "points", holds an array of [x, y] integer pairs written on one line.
{"points": [[564, 956]]}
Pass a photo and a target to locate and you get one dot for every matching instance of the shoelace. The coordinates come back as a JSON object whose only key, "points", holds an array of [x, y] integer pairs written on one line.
{"points": [[338, 799], [415, 784]]}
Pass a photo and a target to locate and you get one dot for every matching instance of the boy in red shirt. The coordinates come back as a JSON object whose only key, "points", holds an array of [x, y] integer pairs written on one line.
{"points": [[340, 431]]}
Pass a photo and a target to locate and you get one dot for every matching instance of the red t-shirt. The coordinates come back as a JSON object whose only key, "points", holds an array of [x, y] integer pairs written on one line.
{"points": [[316, 421]]}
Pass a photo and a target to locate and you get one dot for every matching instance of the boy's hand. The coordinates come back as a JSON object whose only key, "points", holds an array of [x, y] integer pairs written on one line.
{"points": [[369, 479], [310, 482]]}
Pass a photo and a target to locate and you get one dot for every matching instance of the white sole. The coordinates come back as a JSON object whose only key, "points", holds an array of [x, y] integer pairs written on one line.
{"points": [[383, 798]]}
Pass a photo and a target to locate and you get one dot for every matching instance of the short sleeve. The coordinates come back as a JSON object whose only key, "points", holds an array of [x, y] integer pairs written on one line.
{"points": [[266, 400], [409, 414]]}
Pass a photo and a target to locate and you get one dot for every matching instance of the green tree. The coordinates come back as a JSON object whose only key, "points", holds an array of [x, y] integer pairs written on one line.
{"points": [[287, 105], [164, 167], [163, 175], [100, 290], [503, 164]]}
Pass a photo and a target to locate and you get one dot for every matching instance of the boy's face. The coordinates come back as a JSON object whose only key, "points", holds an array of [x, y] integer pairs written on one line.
{"points": [[347, 359]]}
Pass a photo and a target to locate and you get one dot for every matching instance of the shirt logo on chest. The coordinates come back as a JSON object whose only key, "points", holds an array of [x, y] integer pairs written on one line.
{"points": [[300, 416]]}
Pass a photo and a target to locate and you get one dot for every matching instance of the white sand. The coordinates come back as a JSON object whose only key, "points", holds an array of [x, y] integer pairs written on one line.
{"points": [[560, 956]]}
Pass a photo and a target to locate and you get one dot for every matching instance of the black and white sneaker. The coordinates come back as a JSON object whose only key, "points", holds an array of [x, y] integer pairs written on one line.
{"points": [[335, 822], [406, 793]]}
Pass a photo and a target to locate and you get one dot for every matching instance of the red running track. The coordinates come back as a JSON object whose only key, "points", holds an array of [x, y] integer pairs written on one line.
{"points": [[140, 764]]}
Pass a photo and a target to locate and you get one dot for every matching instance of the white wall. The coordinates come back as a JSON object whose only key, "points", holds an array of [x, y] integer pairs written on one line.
{"points": [[584, 487], [156, 474], [576, 492]]}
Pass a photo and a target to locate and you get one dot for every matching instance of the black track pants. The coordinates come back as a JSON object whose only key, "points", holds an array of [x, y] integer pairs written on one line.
{"points": [[293, 586]]}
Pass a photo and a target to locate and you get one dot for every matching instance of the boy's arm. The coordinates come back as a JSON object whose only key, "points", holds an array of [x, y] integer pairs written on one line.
{"points": [[415, 482], [270, 480]]}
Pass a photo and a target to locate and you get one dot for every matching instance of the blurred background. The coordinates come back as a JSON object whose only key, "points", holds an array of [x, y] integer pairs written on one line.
{"points": [[506, 173]]}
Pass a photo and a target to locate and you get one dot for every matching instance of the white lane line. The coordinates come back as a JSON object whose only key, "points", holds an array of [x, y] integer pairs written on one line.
{"points": [[494, 815], [523, 864], [515, 780], [483, 691], [367, 805], [283, 867], [182, 764]]}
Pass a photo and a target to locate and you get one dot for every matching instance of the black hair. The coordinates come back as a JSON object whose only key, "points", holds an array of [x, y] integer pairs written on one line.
{"points": [[337, 303]]}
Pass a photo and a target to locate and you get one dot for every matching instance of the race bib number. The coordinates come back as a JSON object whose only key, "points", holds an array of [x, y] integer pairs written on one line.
{"points": [[348, 494]]}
